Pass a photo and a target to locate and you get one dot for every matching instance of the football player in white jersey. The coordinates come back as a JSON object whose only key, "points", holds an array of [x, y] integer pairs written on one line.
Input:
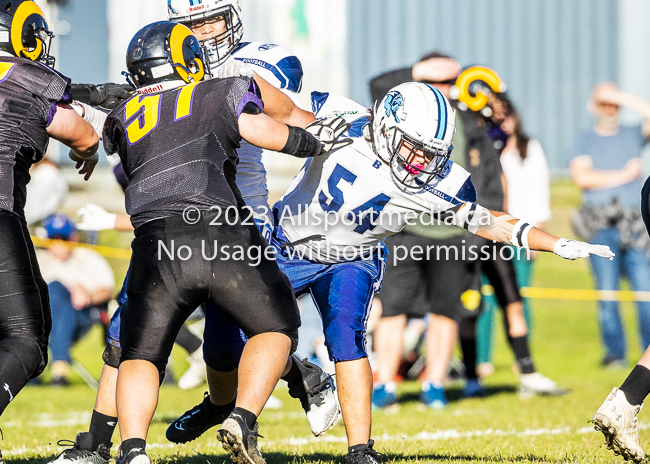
{"points": [[331, 223], [217, 24]]}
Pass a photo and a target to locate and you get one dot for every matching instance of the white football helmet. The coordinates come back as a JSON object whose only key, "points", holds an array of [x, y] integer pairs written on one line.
{"points": [[196, 13], [412, 130]]}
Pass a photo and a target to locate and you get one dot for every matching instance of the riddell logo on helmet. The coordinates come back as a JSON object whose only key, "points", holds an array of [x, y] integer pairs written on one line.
{"points": [[196, 8], [153, 89]]}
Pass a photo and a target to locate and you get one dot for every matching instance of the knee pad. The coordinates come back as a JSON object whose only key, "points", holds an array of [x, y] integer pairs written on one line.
{"points": [[111, 356], [344, 343], [222, 358], [31, 355], [223, 341]]}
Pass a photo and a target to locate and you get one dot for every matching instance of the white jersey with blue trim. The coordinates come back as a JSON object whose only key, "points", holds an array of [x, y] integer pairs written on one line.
{"points": [[282, 69], [343, 204]]}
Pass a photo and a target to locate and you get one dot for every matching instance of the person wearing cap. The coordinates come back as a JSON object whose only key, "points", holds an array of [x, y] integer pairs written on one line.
{"points": [[605, 163], [80, 283]]}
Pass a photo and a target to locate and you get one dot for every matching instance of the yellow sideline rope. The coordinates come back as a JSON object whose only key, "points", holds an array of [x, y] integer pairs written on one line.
{"points": [[527, 292], [107, 252]]}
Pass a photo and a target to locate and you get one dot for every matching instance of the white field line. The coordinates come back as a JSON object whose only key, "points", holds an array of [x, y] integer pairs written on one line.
{"points": [[298, 441]]}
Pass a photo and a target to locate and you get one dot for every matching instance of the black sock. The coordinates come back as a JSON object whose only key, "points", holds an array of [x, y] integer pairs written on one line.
{"points": [[132, 443], [468, 347], [248, 416], [521, 350], [102, 428], [294, 380], [12, 378], [217, 408], [637, 385]]}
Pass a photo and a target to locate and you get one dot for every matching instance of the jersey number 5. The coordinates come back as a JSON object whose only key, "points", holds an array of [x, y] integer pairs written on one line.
{"points": [[364, 222], [144, 112]]}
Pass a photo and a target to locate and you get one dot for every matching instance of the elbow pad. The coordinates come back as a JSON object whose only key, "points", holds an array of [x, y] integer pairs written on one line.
{"points": [[302, 144]]}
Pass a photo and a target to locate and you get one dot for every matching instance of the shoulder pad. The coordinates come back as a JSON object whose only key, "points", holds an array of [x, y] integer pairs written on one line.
{"points": [[41, 80], [278, 65], [326, 104]]}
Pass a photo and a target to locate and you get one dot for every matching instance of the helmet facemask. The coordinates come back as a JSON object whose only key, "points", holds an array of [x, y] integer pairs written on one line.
{"points": [[217, 49], [415, 163], [37, 38]]}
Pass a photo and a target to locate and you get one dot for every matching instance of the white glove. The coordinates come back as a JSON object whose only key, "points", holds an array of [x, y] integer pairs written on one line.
{"points": [[95, 217], [572, 249], [329, 131], [234, 68]]}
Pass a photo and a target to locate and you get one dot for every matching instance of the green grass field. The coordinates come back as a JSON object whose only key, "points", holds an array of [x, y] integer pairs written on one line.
{"points": [[500, 428]]}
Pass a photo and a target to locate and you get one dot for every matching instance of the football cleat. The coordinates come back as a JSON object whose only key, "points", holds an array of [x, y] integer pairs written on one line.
{"points": [[134, 456], [536, 384], [81, 451], [238, 439], [474, 389], [617, 420], [362, 454], [433, 396], [195, 375], [382, 397], [321, 403], [193, 423]]}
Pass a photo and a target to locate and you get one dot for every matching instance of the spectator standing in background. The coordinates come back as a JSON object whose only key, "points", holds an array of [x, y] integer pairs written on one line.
{"points": [[80, 283], [528, 196], [605, 163]]}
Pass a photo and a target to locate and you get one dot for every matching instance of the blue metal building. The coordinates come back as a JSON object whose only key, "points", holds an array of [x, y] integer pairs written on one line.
{"points": [[549, 52]]}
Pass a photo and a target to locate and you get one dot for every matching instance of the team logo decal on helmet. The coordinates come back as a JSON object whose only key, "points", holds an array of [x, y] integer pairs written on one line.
{"points": [[475, 85], [392, 103], [164, 51], [412, 131], [186, 53], [24, 31], [224, 17]]}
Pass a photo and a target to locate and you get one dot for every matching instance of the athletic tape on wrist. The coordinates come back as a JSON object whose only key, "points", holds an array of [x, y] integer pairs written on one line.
{"points": [[498, 226]]}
